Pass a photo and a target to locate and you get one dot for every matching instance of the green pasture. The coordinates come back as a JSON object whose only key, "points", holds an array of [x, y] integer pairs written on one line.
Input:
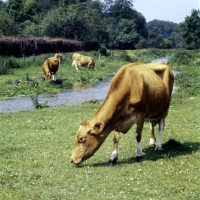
{"points": [[27, 71], [36, 145]]}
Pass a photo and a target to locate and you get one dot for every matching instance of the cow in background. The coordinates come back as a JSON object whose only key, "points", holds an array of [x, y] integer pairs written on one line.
{"points": [[137, 93], [50, 67], [81, 60]]}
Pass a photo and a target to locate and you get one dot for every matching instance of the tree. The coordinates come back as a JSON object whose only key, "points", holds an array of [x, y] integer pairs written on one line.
{"points": [[127, 34], [190, 30], [6, 24], [15, 9], [122, 17], [168, 30], [76, 21]]}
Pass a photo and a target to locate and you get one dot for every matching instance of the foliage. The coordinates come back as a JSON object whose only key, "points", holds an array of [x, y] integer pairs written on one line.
{"points": [[36, 103], [168, 30], [103, 50], [190, 30], [182, 57], [6, 24], [115, 24], [128, 36]]}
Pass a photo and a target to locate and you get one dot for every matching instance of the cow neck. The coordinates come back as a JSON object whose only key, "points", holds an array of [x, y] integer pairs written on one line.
{"points": [[107, 113]]}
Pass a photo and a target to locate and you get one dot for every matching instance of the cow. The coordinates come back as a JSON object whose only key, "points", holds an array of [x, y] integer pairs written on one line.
{"points": [[81, 60], [50, 66], [137, 93]]}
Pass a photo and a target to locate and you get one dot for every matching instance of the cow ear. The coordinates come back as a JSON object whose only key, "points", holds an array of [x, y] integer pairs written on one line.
{"points": [[84, 123], [98, 127]]}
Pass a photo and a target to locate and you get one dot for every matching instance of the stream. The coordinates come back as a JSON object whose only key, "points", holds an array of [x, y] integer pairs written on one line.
{"points": [[97, 91]]}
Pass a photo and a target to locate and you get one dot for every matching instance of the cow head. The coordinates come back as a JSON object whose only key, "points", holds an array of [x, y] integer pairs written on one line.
{"points": [[59, 57], [88, 140]]}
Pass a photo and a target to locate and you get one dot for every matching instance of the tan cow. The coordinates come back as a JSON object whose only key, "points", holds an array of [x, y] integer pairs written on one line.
{"points": [[138, 93], [81, 60], [50, 66]]}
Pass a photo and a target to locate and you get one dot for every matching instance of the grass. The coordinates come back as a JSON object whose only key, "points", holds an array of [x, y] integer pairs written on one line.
{"points": [[36, 147], [28, 71]]}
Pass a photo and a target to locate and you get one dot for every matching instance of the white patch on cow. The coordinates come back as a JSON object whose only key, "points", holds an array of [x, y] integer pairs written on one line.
{"points": [[75, 63], [139, 149], [152, 142], [151, 127], [53, 77], [159, 142], [114, 155]]}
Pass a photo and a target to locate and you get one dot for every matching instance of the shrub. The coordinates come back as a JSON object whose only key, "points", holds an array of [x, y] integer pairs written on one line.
{"points": [[182, 57], [103, 50]]}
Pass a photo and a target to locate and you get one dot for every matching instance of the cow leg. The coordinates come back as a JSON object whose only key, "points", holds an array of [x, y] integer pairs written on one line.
{"points": [[48, 77], [114, 156], [54, 77], [160, 129], [75, 63], [152, 141], [138, 136]]}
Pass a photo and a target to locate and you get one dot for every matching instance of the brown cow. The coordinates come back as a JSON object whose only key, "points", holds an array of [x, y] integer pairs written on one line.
{"points": [[50, 66], [138, 93], [82, 60]]}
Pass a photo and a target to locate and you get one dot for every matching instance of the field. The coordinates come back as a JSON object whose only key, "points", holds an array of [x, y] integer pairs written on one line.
{"points": [[27, 71], [36, 148]]}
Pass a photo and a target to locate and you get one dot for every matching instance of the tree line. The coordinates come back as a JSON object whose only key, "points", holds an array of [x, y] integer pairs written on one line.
{"points": [[114, 24]]}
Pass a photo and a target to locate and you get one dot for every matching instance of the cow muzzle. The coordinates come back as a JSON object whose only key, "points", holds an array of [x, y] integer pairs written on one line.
{"points": [[76, 162]]}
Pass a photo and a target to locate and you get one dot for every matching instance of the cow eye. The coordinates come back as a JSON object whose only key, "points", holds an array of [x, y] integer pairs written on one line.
{"points": [[81, 139], [89, 132]]}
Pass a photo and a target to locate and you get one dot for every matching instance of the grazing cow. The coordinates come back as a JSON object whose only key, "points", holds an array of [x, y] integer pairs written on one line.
{"points": [[81, 60], [137, 93], [50, 66]]}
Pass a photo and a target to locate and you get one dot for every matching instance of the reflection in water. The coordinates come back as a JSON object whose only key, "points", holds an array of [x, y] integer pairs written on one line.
{"points": [[77, 95]]}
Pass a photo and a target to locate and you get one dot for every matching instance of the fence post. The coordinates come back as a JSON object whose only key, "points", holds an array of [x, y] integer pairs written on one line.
{"points": [[99, 54]]}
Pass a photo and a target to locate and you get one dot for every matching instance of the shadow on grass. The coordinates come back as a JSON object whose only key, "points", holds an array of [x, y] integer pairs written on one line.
{"points": [[171, 149]]}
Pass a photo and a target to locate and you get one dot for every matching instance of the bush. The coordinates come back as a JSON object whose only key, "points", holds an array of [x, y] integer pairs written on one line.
{"points": [[12, 63], [103, 50], [182, 57], [4, 70]]}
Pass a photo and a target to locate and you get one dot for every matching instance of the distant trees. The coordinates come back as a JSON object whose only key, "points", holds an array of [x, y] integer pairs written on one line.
{"points": [[163, 34], [113, 23], [6, 24], [190, 30]]}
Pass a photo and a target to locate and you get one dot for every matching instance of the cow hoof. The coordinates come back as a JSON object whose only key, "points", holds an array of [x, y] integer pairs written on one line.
{"points": [[112, 162], [158, 149], [138, 158]]}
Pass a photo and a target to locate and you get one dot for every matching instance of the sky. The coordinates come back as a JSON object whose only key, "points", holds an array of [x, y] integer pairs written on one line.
{"points": [[166, 10]]}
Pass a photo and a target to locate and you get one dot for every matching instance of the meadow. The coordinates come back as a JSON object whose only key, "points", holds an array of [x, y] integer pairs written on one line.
{"points": [[36, 148], [24, 76]]}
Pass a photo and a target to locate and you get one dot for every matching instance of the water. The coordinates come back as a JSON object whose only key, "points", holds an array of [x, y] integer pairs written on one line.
{"points": [[74, 96]]}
